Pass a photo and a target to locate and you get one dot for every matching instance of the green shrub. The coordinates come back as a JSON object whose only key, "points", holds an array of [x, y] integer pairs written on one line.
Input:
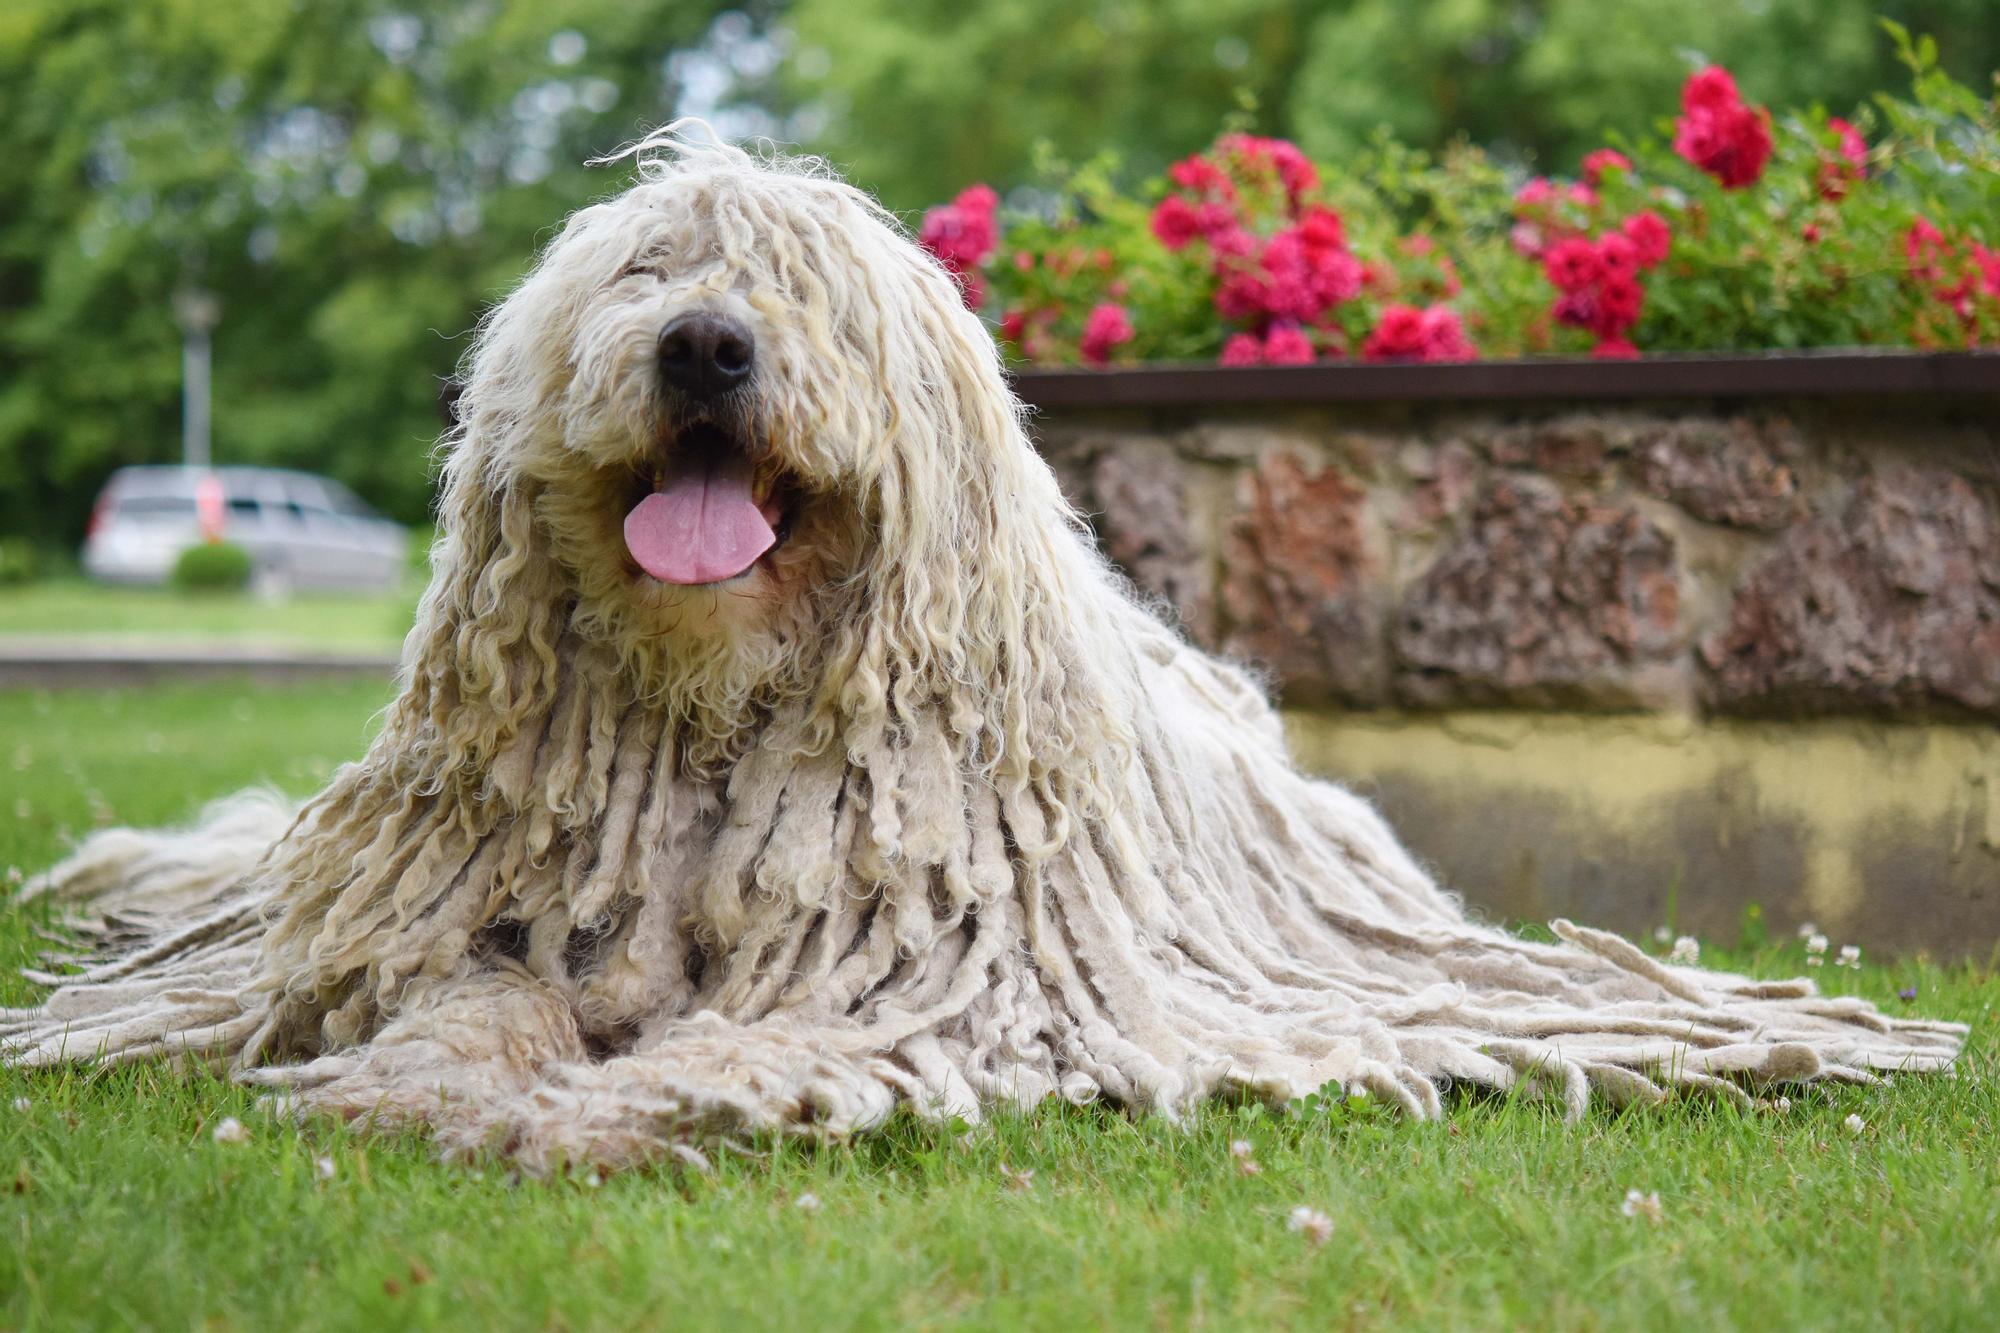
{"points": [[17, 560], [1732, 228], [212, 567]]}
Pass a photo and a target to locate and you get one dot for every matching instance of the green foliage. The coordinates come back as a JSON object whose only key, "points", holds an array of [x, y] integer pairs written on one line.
{"points": [[1814, 254], [918, 94], [75, 607], [212, 567], [17, 560], [918, 97], [355, 179], [126, 1212]]}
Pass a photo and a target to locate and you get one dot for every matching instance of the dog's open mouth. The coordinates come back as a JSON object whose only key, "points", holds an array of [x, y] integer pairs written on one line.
{"points": [[711, 512]]}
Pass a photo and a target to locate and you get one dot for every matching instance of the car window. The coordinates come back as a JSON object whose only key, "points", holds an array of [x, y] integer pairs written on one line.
{"points": [[150, 485], [347, 502], [155, 506]]}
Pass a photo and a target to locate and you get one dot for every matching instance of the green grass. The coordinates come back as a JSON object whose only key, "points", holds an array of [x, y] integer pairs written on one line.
{"points": [[123, 1210], [71, 608]]}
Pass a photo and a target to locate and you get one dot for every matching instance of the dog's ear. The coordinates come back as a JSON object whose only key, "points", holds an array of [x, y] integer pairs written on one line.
{"points": [[979, 568], [481, 661]]}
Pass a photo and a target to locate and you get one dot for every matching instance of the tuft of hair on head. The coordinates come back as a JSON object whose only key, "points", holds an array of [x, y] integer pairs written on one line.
{"points": [[690, 145]]}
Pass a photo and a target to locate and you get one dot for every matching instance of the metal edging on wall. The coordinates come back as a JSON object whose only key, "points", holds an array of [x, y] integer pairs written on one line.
{"points": [[1764, 375]]}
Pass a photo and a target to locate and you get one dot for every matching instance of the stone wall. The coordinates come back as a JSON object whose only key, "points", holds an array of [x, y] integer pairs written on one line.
{"points": [[1792, 558], [1416, 572]]}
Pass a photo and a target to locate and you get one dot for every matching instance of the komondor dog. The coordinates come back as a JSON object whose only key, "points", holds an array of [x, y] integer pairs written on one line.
{"points": [[774, 749]]}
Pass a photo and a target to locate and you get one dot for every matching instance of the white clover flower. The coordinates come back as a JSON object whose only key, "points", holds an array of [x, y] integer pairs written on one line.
{"points": [[323, 1167], [806, 1203], [231, 1130], [1240, 1151], [1850, 956], [1646, 1205], [1662, 934], [1687, 949], [1815, 950], [1855, 1124], [1807, 930], [1314, 1225]]}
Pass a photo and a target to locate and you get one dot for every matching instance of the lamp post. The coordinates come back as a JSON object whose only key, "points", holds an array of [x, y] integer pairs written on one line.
{"points": [[196, 311]]}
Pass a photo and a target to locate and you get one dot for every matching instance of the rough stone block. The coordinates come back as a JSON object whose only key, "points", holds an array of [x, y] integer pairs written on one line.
{"points": [[1737, 471], [1547, 599], [1300, 592], [1892, 601]]}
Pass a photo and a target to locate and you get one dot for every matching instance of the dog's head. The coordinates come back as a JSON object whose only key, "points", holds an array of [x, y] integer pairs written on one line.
{"points": [[753, 433]]}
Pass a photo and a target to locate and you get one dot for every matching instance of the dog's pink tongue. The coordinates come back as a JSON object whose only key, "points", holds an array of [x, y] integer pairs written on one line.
{"points": [[701, 527]]}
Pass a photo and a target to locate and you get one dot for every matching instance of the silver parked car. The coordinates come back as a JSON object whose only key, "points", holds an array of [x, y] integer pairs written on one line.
{"points": [[301, 531]]}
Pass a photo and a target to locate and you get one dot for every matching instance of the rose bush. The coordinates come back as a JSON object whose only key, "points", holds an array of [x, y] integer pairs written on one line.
{"points": [[1733, 229]]}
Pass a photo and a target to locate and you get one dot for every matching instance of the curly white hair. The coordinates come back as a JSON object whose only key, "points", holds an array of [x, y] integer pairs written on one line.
{"points": [[775, 748]]}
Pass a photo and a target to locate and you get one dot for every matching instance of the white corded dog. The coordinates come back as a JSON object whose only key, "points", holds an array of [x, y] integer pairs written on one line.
{"points": [[775, 748]]}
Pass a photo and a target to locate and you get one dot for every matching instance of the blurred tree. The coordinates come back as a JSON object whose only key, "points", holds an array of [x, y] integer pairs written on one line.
{"points": [[353, 178], [918, 97], [1545, 79]]}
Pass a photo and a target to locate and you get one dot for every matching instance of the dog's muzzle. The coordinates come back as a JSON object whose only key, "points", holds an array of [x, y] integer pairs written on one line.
{"points": [[705, 355]]}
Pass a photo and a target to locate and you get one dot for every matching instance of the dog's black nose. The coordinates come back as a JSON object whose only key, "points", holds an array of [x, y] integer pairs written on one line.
{"points": [[705, 355]]}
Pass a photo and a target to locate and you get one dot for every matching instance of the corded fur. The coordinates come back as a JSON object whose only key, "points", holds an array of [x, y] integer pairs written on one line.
{"points": [[935, 815]]}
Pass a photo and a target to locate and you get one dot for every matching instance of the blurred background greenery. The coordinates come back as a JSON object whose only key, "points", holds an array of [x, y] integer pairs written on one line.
{"points": [[356, 179]]}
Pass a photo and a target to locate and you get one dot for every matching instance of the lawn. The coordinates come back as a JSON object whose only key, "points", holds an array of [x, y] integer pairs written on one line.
{"points": [[71, 608], [124, 1210]]}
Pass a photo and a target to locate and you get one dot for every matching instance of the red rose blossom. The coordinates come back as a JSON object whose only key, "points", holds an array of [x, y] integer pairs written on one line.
{"points": [[1719, 133], [1986, 263], [1850, 163], [1926, 249], [1615, 349], [1572, 264], [1710, 89], [1649, 235], [1321, 229], [963, 234], [1617, 254], [1217, 222], [1175, 222], [1538, 193], [1242, 294], [1603, 160], [1296, 175], [1107, 327], [1444, 336], [1242, 349], [1287, 345], [1619, 299], [1405, 333], [1200, 176]]}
